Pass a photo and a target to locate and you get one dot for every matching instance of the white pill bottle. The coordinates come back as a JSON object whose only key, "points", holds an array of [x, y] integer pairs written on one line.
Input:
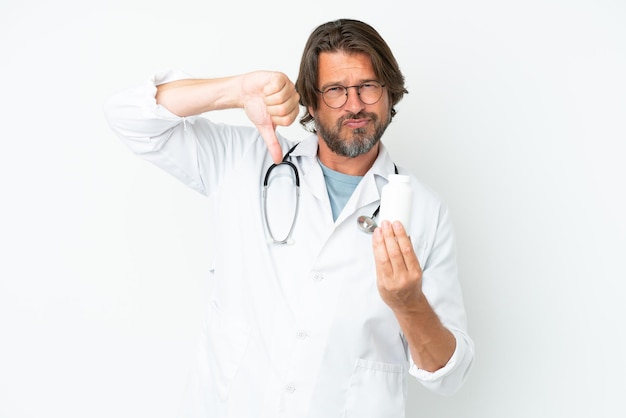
{"points": [[395, 201]]}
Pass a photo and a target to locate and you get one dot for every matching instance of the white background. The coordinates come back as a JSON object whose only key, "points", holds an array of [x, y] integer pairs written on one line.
{"points": [[516, 115]]}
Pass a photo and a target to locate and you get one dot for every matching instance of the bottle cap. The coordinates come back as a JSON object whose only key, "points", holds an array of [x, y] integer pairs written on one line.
{"points": [[402, 178]]}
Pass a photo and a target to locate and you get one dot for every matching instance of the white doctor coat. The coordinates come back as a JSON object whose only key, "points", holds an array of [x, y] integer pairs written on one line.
{"points": [[296, 330]]}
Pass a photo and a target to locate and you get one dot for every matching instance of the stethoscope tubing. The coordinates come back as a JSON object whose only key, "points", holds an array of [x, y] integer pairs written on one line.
{"points": [[287, 239]]}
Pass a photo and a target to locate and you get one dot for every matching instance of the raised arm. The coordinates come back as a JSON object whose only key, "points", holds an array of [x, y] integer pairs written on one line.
{"points": [[268, 98]]}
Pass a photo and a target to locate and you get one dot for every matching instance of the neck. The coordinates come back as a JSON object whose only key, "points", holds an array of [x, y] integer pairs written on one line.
{"points": [[353, 166]]}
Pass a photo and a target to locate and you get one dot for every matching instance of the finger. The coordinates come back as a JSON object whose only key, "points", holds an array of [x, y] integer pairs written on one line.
{"points": [[284, 114], [384, 267], [271, 141], [276, 83], [282, 101], [396, 257], [406, 247]]}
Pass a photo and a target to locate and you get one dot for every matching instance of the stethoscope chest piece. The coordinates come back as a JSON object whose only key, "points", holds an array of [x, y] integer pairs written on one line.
{"points": [[366, 224]]}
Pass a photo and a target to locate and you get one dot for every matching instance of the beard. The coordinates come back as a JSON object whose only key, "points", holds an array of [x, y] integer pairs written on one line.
{"points": [[359, 142]]}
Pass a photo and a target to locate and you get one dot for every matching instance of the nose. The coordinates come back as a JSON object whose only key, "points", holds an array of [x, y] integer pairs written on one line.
{"points": [[354, 103]]}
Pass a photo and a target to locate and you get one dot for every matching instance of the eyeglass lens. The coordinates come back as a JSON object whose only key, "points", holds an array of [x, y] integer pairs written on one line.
{"points": [[369, 93]]}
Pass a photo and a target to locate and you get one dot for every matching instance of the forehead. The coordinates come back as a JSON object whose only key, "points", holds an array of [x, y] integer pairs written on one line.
{"points": [[341, 67]]}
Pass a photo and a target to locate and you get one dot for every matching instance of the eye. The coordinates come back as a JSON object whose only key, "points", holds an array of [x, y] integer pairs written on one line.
{"points": [[370, 85], [334, 90]]}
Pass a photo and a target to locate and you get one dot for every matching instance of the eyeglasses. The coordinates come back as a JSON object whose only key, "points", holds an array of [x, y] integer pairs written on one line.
{"points": [[336, 96]]}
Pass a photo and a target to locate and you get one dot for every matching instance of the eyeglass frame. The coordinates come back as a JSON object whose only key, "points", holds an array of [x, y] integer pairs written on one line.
{"points": [[358, 92]]}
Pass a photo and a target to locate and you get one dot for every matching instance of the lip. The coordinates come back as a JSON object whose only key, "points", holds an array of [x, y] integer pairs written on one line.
{"points": [[355, 123]]}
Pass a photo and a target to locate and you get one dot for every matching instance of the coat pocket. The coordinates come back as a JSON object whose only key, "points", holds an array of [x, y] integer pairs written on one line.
{"points": [[227, 341], [377, 390]]}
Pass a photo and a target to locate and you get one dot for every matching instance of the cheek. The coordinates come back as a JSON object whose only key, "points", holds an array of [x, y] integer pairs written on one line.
{"points": [[323, 116], [384, 111], [385, 103]]}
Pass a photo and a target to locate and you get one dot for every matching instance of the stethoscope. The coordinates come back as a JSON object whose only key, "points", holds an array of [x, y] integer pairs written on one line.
{"points": [[366, 224]]}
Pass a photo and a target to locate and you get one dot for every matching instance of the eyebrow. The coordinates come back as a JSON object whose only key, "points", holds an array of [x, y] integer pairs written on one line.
{"points": [[335, 83]]}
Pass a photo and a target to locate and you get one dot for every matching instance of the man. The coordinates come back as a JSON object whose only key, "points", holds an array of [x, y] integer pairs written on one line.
{"points": [[310, 316]]}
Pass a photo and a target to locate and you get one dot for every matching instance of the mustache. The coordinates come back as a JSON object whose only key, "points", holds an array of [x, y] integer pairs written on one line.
{"points": [[360, 115]]}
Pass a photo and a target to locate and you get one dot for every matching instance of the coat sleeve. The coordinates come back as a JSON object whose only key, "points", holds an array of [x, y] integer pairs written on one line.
{"points": [[443, 291], [193, 149]]}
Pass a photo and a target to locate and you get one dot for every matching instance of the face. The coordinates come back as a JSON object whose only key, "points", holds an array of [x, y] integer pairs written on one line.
{"points": [[355, 128]]}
